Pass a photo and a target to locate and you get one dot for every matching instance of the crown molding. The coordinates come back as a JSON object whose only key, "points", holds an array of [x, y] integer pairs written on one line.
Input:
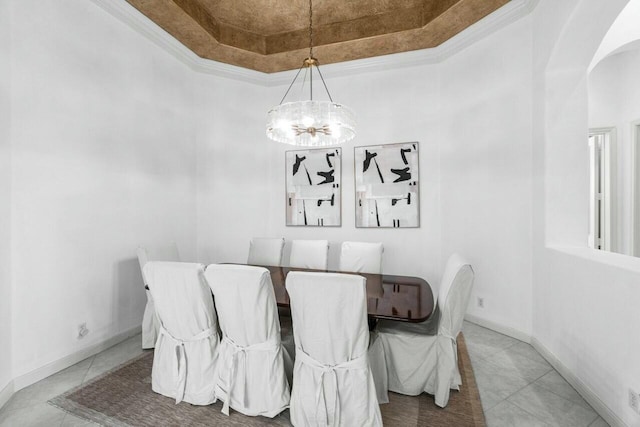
{"points": [[511, 12]]}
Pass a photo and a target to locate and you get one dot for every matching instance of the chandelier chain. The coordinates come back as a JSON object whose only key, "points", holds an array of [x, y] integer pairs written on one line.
{"points": [[310, 123], [310, 28]]}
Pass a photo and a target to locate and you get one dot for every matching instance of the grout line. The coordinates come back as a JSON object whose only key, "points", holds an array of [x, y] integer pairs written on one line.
{"points": [[533, 415], [563, 397], [572, 403], [84, 378], [523, 409], [597, 418]]}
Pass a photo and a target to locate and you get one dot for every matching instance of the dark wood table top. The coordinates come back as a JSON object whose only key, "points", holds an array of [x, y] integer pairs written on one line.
{"points": [[401, 298]]}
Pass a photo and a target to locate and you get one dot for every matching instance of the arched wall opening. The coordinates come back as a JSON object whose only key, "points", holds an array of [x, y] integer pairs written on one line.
{"points": [[583, 312], [566, 120], [614, 123]]}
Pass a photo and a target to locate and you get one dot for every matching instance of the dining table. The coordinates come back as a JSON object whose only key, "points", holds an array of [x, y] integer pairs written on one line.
{"points": [[391, 297]]}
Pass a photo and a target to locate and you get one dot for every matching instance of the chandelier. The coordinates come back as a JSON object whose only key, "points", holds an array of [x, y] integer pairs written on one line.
{"points": [[310, 123]]}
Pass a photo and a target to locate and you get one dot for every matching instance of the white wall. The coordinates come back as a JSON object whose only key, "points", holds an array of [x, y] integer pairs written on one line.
{"points": [[486, 169], [5, 198], [233, 191], [103, 160], [472, 118], [624, 31], [389, 105], [585, 301], [614, 101]]}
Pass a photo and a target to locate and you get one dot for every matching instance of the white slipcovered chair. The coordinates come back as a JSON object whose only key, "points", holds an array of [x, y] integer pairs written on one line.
{"points": [[332, 380], [311, 254], [251, 376], [265, 251], [186, 352], [365, 257], [423, 357], [150, 323], [361, 257]]}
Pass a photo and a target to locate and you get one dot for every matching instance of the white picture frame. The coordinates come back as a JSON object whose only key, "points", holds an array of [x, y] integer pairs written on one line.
{"points": [[387, 185], [313, 187]]}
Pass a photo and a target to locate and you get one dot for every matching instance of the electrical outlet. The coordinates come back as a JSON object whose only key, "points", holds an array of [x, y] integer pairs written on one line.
{"points": [[634, 400], [480, 302], [82, 330]]}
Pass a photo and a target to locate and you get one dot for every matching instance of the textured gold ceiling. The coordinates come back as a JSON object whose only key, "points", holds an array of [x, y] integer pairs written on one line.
{"points": [[273, 35]]}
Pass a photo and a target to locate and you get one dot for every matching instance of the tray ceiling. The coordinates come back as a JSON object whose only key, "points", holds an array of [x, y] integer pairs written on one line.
{"points": [[273, 35]]}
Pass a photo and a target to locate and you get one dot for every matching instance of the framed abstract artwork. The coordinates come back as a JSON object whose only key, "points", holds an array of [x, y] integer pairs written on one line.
{"points": [[387, 186], [313, 187]]}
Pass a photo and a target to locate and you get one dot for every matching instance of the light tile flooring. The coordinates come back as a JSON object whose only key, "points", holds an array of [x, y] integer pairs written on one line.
{"points": [[517, 386]]}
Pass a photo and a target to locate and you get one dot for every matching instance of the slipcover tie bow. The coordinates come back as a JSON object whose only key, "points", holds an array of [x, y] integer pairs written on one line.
{"points": [[181, 357], [360, 362], [239, 351]]}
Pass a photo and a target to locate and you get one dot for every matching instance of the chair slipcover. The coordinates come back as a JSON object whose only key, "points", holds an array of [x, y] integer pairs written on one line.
{"points": [[364, 257], [332, 380], [378, 364], [424, 356], [186, 352], [251, 376], [265, 251], [311, 254], [150, 323], [361, 257]]}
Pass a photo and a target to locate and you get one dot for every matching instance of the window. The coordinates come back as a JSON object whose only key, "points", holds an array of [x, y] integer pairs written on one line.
{"points": [[602, 167]]}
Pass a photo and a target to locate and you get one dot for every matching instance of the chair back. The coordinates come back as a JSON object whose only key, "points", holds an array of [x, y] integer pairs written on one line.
{"points": [[361, 257], [143, 259], [265, 251], [182, 298], [329, 312], [245, 302], [454, 294], [164, 253], [333, 383], [185, 353], [311, 254], [251, 376]]}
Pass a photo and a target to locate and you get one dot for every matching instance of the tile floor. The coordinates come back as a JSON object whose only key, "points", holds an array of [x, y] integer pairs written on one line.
{"points": [[517, 386]]}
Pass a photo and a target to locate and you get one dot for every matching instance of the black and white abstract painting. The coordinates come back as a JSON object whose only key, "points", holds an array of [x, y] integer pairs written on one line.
{"points": [[313, 187], [387, 186]]}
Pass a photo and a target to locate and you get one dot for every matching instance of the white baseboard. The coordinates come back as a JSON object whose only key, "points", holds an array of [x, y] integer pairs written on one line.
{"points": [[36, 375], [505, 330], [592, 399], [6, 393]]}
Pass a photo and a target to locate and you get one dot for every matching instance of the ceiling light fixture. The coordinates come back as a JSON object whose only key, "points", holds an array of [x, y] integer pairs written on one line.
{"points": [[310, 123]]}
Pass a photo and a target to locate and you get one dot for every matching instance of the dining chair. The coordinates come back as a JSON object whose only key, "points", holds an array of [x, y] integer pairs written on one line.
{"points": [[149, 320], [311, 254], [332, 379], [185, 356], [361, 257], [265, 251], [251, 375], [423, 357]]}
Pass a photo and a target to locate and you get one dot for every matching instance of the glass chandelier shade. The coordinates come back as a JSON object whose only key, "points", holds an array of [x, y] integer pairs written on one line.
{"points": [[310, 123]]}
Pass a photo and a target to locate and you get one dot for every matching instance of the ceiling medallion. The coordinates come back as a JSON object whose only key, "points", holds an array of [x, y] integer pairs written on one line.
{"points": [[310, 123]]}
